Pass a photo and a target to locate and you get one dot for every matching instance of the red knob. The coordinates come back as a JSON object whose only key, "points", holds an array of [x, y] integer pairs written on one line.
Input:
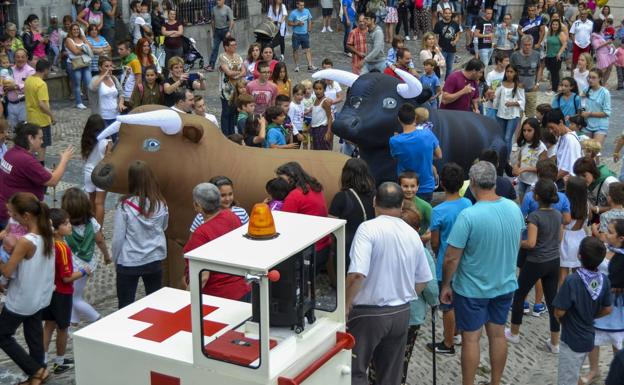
{"points": [[273, 275]]}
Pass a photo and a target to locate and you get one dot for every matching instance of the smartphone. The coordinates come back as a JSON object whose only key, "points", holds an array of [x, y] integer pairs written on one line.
{"points": [[192, 77]]}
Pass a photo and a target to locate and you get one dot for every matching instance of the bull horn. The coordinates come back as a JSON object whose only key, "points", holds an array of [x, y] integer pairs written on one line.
{"points": [[340, 76], [112, 129], [412, 86], [169, 121]]}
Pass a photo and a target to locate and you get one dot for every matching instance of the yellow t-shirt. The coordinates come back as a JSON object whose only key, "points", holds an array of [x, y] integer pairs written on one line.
{"points": [[36, 89]]}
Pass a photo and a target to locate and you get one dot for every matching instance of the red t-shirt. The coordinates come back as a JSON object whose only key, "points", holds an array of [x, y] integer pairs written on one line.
{"points": [[63, 268], [219, 284], [312, 203], [20, 171], [455, 82]]}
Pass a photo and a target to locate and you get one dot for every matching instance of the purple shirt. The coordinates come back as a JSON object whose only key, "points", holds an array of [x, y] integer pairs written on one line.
{"points": [[455, 82], [20, 171], [20, 75]]}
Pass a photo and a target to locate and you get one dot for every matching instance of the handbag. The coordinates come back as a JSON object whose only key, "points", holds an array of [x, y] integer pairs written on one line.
{"points": [[360, 202], [79, 62]]}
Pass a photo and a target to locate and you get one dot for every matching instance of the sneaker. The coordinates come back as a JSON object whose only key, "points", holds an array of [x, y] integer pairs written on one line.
{"points": [[441, 348], [527, 308], [312, 69], [296, 68], [514, 339], [329, 29], [59, 369], [538, 309], [457, 59], [554, 349], [68, 361], [457, 340], [81, 106], [407, 38], [324, 30], [281, 58]]}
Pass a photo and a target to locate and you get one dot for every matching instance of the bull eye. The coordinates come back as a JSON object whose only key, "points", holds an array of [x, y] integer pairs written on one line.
{"points": [[389, 103], [151, 145], [355, 102]]}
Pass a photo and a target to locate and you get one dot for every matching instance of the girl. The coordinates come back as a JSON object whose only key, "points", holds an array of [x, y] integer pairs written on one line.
{"points": [[35, 42], [577, 124], [139, 244], [86, 233], [567, 100], [253, 54], [391, 20], [531, 150], [320, 126], [240, 88], [542, 261], [279, 77], [31, 289], [509, 103], [603, 51], [573, 232], [308, 101], [93, 152], [152, 91], [550, 141], [226, 189], [278, 189], [255, 131], [580, 73], [597, 107], [277, 13]]}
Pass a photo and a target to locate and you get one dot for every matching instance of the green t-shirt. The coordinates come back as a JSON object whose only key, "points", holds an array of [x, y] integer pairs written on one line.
{"points": [[424, 209]]}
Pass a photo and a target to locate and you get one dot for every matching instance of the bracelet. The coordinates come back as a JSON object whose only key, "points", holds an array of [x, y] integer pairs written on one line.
{"points": [[83, 271]]}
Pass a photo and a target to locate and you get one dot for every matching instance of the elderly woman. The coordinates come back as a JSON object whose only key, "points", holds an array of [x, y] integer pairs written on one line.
{"points": [[217, 222], [105, 92], [79, 69], [180, 79], [98, 45], [15, 42]]}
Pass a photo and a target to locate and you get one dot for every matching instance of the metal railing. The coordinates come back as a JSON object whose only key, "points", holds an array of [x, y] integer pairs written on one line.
{"points": [[290, 4], [8, 13], [198, 12]]}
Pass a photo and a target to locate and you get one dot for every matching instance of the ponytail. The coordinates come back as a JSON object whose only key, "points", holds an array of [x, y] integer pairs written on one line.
{"points": [[45, 229]]}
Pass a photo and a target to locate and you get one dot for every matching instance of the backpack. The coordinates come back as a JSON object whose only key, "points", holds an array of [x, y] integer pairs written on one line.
{"points": [[576, 106]]}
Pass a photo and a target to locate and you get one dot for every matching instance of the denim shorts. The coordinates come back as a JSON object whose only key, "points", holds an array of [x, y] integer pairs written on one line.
{"points": [[300, 40], [444, 307], [47, 136], [587, 131], [472, 313]]}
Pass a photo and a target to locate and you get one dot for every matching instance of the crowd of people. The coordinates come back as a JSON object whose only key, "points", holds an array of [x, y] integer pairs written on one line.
{"points": [[552, 222]]}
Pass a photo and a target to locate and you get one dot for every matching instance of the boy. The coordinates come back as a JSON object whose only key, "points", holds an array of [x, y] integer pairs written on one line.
{"points": [[283, 101], [408, 180], [493, 79], [583, 297], [296, 111], [263, 91], [615, 199], [4, 127], [504, 188], [245, 104], [430, 80], [442, 220], [569, 146], [199, 108], [58, 314], [276, 133]]}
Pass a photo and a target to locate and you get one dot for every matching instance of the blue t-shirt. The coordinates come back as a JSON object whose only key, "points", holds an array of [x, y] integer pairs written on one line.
{"points": [[274, 136], [578, 322], [414, 152], [109, 22], [443, 218], [529, 204], [297, 15], [432, 82], [350, 11], [489, 234], [568, 107]]}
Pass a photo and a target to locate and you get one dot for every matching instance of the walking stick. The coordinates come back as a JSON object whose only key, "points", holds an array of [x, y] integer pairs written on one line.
{"points": [[433, 341]]}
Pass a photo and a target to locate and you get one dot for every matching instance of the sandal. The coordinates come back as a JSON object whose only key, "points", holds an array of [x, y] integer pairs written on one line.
{"points": [[39, 379]]}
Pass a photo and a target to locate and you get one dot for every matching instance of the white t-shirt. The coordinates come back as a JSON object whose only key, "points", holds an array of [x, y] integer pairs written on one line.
{"points": [[276, 17], [528, 158], [295, 113], [581, 80], [96, 155], [390, 254], [493, 79], [109, 98], [212, 118], [568, 151], [582, 32], [331, 91]]}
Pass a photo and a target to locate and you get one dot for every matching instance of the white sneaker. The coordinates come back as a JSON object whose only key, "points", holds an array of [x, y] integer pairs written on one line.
{"points": [[296, 68], [324, 30], [329, 29], [81, 106], [554, 349], [457, 340], [407, 38], [514, 339]]}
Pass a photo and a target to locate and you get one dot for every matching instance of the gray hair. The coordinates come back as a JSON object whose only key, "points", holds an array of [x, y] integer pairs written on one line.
{"points": [[527, 38], [10, 25], [483, 175], [208, 197]]}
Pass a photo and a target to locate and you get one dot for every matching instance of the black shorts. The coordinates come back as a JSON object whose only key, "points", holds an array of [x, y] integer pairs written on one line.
{"points": [[47, 136], [59, 310], [327, 11]]}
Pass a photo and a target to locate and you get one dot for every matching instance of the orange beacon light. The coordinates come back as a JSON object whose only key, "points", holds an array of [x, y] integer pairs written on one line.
{"points": [[261, 224]]}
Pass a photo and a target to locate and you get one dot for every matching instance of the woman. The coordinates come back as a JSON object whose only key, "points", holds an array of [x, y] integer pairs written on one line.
{"points": [[173, 31], [598, 180], [180, 79], [26, 173], [597, 103], [277, 13], [605, 13], [105, 92], [139, 245], [306, 197], [556, 44], [15, 42], [602, 50], [91, 15], [253, 55], [99, 46], [78, 66], [509, 103], [143, 51], [35, 43], [92, 152], [431, 50], [505, 37], [267, 56], [231, 69], [30, 291]]}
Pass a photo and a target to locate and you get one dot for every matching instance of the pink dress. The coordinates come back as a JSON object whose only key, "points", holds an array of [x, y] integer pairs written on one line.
{"points": [[604, 55], [392, 17]]}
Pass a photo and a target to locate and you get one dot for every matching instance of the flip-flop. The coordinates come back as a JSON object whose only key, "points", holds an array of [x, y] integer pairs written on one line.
{"points": [[41, 379]]}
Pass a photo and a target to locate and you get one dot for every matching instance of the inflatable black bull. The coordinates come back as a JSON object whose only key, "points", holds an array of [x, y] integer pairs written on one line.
{"points": [[369, 118]]}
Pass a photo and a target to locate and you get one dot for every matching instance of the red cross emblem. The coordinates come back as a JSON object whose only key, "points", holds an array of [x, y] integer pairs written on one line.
{"points": [[163, 379], [166, 325]]}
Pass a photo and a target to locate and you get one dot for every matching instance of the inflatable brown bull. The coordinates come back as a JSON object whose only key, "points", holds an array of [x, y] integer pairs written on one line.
{"points": [[184, 150]]}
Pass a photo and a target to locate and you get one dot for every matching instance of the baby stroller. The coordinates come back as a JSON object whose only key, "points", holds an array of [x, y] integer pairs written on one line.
{"points": [[191, 54], [266, 33]]}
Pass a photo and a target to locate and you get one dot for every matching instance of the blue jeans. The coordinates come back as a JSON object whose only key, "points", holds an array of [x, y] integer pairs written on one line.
{"points": [[508, 126], [81, 75], [347, 30], [484, 55], [228, 116], [502, 10], [217, 39], [490, 112], [450, 60], [368, 67]]}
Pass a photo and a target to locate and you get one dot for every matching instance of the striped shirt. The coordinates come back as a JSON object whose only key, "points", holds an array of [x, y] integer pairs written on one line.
{"points": [[239, 211], [357, 39], [102, 43]]}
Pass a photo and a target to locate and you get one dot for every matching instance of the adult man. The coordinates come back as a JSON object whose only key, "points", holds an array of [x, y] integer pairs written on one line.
{"points": [[138, 25], [526, 61], [356, 44], [263, 91], [404, 57], [481, 260], [473, 8], [301, 21], [448, 33], [38, 104], [484, 31], [580, 33], [460, 90], [375, 58], [388, 268], [183, 101], [16, 108], [131, 69], [222, 27], [532, 25], [109, 9]]}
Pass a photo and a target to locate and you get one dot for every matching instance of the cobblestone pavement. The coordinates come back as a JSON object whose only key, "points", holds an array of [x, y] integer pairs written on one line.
{"points": [[528, 362]]}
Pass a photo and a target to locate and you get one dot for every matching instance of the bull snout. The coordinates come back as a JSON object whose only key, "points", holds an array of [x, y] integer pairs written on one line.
{"points": [[347, 127], [103, 175]]}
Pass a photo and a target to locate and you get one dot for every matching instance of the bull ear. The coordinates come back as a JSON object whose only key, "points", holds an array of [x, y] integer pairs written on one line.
{"points": [[193, 133]]}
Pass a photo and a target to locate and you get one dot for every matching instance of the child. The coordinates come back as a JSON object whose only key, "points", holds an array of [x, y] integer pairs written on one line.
{"points": [[430, 80], [443, 218], [550, 141], [583, 297], [226, 189], [333, 90], [254, 132], [408, 180], [531, 150], [423, 123], [493, 80], [86, 234], [568, 100], [279, 77], [321, 123], [575, 231], [397, 42], [569, 146], [4, 128], [591, 149], [58, 314], [577, 123], [278, 189], [308, 101], [283, 101], [542, 261], [151, 92], [246, 104], [237, 138], [615, 199], [541, 110], [581, 72], [276, 134], [6, 72], [296, 112], [199, 108], [54, 37]]}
